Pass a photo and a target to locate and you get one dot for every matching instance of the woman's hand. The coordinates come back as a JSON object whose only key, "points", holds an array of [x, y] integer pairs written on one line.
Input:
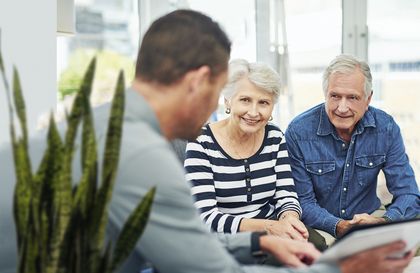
{"points": [[288, 226]]}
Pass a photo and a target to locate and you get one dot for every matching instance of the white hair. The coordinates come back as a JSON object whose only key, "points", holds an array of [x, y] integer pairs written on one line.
{"points": [[262, 75], [347, 64]]}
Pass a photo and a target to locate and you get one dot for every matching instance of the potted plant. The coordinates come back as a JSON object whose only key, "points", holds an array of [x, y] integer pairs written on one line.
{"points": [[60, 227]]}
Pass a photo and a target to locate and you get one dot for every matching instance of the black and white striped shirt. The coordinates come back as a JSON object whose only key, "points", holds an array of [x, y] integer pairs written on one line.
{"points": [[227, 190]]}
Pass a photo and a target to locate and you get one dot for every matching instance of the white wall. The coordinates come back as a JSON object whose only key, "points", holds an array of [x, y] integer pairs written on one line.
{"points": [[28, 41]]}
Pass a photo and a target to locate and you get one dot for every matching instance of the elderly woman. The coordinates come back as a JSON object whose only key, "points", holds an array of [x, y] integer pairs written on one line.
{"points": [[239, 167]]}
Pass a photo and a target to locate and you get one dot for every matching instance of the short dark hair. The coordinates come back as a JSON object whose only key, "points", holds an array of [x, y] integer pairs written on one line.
{"points": [[181, 41]]}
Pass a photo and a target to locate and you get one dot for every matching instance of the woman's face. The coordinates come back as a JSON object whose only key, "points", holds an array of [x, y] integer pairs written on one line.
{"points": [[251, 107]]}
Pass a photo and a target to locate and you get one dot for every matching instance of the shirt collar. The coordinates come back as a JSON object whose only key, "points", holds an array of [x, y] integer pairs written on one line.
{"points": [[325, 127]]}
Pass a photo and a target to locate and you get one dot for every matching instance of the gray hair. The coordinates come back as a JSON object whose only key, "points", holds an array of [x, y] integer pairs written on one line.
{"points": [[347, 64], [262, 75]]}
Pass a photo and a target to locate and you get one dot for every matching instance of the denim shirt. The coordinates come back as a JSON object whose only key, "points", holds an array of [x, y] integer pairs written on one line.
{"points": [[336, 180]]}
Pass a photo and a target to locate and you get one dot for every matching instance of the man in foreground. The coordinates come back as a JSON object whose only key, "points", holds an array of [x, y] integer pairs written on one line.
{"points": [[181, 69], [337, 150]]}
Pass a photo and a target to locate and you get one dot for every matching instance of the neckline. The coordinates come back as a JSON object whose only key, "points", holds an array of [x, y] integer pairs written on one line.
{"points": [[229, 156]]}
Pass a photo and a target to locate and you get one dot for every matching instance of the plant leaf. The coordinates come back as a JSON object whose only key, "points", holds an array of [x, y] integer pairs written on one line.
{"points": [[5, 82], [9, 101], [1, 60], [105, 260], [86, 189], [20, 105], [59, 212], [76, 113], [133, 229], [22, 195], [110, 162]]}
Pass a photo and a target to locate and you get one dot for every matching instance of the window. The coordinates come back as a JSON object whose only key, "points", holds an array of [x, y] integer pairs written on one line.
{"points": [[240, 28], [314, 38], [394, 42], [108, 30]]}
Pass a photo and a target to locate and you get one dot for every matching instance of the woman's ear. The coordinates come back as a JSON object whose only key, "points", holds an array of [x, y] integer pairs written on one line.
{"points": [[227, 103]]}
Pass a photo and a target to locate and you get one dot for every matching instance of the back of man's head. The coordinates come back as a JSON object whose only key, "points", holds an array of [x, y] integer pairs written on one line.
{"points": [[178, 42]]}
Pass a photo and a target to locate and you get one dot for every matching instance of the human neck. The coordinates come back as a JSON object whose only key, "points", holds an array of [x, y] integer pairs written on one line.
{"points": [[237, 135], [239, 144], [164, 101], [345, 134]]}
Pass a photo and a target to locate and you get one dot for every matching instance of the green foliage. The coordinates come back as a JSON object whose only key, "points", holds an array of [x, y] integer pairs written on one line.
{"points": [[109, 64], [61, 228]]}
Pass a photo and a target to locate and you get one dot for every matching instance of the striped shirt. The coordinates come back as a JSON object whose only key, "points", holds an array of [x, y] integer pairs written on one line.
{"points": [[227, 190]]}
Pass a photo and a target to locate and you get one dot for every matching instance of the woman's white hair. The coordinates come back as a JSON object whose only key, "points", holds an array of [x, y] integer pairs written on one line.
{"points": [[347, 64], [262, 75]]}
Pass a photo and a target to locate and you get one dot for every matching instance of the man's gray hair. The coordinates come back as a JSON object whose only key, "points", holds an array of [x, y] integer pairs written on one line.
{"points": [[347, 64], [262, 75]]}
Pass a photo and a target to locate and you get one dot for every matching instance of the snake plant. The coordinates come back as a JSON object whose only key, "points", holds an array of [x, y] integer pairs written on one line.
{"points": [[60, 225]]}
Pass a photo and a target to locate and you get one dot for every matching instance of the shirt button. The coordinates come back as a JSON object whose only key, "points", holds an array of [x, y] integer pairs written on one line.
{"points": [[248, 189], [245, 160], [343, 145], [370, 163], [343, 211], [248, 179], [247, 169], [347, 165], [345, 189], [320, 171]]}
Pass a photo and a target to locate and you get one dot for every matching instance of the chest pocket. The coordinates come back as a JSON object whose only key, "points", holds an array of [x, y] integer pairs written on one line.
{"points": [[322, 175], [368, 167]]}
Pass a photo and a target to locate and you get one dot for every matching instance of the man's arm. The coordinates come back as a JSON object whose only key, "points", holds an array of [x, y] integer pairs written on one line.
{"points": [[239, 245], [296, 255], [313, 214], [400, 179]]}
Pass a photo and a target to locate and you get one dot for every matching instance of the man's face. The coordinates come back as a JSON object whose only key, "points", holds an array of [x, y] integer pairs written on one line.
{"points": [[205, 104], [345, 102]]}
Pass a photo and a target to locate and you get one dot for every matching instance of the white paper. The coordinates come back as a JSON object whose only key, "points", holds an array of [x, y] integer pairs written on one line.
{"points": [[364, 239]]}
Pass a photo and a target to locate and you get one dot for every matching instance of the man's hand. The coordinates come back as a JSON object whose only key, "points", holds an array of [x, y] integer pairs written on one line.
{"points": [[343, 226], [290, 252], [289, 226], [358, 219], [364, 219], [376, 260]]}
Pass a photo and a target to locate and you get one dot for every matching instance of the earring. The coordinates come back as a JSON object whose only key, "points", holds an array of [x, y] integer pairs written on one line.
{"points": [[227, 111], [271, 118]]}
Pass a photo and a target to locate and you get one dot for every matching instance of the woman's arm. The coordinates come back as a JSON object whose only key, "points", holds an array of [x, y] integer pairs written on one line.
{"points": [[286, 197]]}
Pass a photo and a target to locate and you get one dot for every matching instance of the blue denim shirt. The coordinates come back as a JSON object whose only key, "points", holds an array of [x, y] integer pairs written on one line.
{"points": [[335, 179]]}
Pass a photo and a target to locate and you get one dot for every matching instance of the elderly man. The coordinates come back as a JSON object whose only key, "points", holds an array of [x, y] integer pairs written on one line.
{"points": [[337, 150], [180, 72]]}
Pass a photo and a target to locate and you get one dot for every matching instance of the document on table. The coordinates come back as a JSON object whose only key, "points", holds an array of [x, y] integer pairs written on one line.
{"points": [[369, 236]]}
